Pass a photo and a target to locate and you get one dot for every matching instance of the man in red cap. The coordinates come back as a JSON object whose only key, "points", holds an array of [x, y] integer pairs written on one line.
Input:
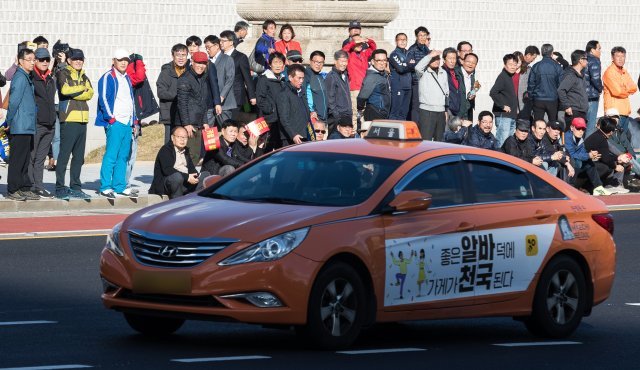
{"points": [[583, 160], [194, 98]]}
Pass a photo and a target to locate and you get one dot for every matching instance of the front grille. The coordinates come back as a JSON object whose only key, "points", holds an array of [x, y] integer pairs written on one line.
{"points": [[171, 251], [180, 300]]}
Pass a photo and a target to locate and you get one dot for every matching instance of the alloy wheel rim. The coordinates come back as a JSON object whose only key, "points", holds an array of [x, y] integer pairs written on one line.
{"points": [[338, 307], [563, 297]]}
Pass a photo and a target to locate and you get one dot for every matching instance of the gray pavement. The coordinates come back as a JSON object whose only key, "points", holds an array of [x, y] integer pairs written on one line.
{"points": [[140, 179]]}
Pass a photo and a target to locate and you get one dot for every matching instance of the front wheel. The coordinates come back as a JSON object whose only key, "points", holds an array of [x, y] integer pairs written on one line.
{"points": [[153, 326], [336, 308], [560, 299]]}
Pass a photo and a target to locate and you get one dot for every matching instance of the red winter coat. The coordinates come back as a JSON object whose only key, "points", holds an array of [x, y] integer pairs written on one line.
{"points": [[137, 72], [358, 63]]}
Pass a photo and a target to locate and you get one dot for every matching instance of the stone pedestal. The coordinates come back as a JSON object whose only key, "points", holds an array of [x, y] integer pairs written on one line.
{"points": [[318, 24]]}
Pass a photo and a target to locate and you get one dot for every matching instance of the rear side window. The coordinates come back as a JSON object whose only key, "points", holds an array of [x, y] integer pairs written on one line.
{"points": [[544, 190], [493, 182], [442, 182]]}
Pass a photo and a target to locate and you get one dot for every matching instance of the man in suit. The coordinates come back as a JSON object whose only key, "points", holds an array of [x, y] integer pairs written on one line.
{"points": [[225, 72], [243, 86]]}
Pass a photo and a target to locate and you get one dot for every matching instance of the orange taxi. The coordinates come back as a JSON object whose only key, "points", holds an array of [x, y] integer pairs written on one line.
{"points": [[329, 237]]}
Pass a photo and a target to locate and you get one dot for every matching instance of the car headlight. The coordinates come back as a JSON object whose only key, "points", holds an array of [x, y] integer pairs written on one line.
{"points": [[268, 250], [113, 241]]}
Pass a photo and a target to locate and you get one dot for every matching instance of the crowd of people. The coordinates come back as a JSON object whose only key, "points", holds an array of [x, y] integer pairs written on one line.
{"points": [[210, 85]]}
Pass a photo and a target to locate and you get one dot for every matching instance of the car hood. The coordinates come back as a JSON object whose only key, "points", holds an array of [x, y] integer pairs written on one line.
{"points": [[201, 217]]}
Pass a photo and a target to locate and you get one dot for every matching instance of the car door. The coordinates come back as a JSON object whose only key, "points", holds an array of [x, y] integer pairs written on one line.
{"points": [[515, 227], [422, 249]]}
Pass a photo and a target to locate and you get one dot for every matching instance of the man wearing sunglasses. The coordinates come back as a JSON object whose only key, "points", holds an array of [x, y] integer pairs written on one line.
{"points": [[45, 91]]}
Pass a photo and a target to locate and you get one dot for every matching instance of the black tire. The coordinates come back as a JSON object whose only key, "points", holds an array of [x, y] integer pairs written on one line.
{"points": [[152, 325], [560, 299], [334, 319]]}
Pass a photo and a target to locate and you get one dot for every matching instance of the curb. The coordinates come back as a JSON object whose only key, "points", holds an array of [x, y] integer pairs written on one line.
{"points": [[624, 207], [54, 234], [94, 203]]}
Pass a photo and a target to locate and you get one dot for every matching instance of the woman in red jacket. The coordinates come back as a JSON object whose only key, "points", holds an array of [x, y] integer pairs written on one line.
{"points": [[287, 41]]}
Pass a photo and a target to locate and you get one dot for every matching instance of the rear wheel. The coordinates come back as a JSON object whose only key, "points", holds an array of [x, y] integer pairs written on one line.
{"points": [[560, 300], [336, 308], [153, 326]]}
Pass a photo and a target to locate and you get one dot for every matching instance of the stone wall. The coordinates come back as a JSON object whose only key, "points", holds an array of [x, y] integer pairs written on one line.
{"points": [[151, 27]]}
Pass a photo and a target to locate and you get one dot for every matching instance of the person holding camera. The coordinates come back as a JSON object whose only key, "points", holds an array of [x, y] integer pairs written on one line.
{"points": [[434, 95]]}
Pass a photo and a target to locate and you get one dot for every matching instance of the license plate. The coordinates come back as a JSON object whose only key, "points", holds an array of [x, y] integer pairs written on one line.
{"points": [[162, 282]]}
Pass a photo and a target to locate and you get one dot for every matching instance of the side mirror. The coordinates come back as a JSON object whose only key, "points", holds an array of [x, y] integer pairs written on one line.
{"points": [[411, 200], [210, 180]]}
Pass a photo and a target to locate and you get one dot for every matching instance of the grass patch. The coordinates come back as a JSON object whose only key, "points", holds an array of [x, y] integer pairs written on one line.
{"points": [[148, 145]]}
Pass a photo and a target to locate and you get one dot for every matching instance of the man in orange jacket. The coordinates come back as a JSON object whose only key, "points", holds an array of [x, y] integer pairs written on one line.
{"points": [[618, 85]]}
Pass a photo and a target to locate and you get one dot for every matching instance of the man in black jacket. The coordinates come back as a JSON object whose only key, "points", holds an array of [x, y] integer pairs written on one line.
{"points": [[194, 98], [230, 155], [167, 88], [293, 110], [337, 85], [614, 164], [505, 99], [44, 88], [268, 89], [516, 144], [572, 92], [173, 172]]}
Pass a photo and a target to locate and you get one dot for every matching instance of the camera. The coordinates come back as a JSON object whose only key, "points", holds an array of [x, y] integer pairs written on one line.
{"points": [[59, 47]]}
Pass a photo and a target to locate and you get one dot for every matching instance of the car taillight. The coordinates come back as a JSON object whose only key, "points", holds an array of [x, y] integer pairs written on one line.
{"points": [[605, 220]]}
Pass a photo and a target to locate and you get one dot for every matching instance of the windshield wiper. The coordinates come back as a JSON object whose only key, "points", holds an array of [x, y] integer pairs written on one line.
{"points": [[279, 200]]}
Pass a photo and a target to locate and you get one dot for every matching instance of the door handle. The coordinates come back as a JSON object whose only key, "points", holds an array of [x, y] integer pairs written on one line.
{"points": [[540, 215], [465, 226]]}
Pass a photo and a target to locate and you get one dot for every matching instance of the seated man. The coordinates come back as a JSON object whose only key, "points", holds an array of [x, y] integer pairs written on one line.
{"points": [[457, 130], [583, 161], [249, 145], [542, 155], [343, 130], [229, 156], [480, 135], [516, 144], [174, 173], [320, 129], [621, 142], [559, 159], [598, 141]]}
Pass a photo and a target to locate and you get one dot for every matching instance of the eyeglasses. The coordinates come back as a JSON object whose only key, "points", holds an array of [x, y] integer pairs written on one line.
{"points": [[29, 60], [317, 61], [225, 40], [320, 131], [44, 60]]}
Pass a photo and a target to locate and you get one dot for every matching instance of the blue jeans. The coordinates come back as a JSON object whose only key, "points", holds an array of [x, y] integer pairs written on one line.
{"points": [[592, 117], [132, 159], [55, 144], [624, 123], [114, 163], [505, 127]]}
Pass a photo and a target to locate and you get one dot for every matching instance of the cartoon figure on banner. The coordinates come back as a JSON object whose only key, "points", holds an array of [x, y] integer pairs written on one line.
{"points": [[565, 228], [402, 264], [422, 275]]}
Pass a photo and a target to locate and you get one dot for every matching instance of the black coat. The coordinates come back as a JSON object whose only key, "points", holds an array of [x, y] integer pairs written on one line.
{"points": [[45, 94], [517, 148], [243, 85], [598, 141], [268, 90], [504, 94], [215, 159], [167, 89], [293, 112], [338, 96], [194, 98], [163, 167]]}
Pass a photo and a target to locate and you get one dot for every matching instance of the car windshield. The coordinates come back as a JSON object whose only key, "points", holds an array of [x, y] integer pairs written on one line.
{"points": [[307, 178]]}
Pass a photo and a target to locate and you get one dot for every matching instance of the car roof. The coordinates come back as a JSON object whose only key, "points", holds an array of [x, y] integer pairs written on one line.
{"points": [[392, 149]]}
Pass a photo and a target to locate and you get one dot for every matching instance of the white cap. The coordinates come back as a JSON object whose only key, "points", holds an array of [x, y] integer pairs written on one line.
{"points": [[121, 54], [612, 112]]}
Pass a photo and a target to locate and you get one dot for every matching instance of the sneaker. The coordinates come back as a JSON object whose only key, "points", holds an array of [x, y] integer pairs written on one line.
{"points": [[29, 195], [134, 190], [16, 195], [63, 194], [42, 193], [79, 194], [51, 168], [128, 192], [599, 191], [108, 194], [616, 189]]}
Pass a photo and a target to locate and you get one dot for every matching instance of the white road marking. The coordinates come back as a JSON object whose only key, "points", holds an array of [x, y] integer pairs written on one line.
{"points": [[9, 323], [533, 344], [387, 350], [219, 359], [48, 367], [632, 304]]}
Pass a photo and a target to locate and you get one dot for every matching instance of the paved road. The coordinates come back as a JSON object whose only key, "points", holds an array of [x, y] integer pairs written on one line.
{"points": [[51, 315]]}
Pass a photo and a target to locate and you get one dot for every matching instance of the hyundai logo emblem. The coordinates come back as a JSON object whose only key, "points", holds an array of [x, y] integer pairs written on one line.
{"points": [[168, 251]]}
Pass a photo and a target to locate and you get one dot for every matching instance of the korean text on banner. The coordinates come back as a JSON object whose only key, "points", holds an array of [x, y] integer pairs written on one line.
{"points": [[257, 127], [211, 138]]}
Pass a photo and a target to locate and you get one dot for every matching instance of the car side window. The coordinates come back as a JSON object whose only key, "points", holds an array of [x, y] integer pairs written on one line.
{"points": [[544, 190], [442, 183], [493, 182]]}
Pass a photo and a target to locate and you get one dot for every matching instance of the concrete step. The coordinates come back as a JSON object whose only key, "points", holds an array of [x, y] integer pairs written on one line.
{"points": [[95, 203]]}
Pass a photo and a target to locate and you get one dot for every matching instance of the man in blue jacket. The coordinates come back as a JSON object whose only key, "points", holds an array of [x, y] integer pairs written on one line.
{"points": [[593, 80], [315, 87], [401, 68], [265, 46], [116, 113], [21, 119], [543, 83]]}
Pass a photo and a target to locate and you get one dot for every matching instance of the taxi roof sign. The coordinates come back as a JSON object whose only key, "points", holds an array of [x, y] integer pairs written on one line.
{"points": [[394, 130]]}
